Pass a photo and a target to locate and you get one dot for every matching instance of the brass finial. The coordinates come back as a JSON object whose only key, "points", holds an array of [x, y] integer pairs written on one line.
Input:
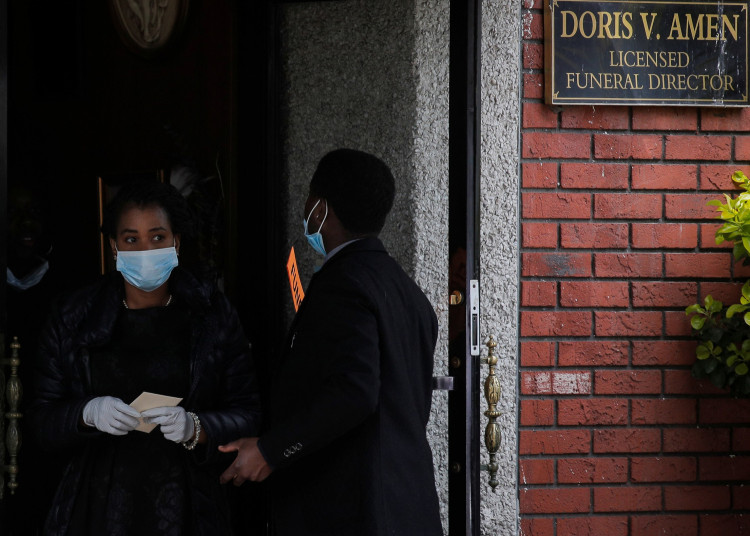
{"points": [[13, 393], [492, 390]]}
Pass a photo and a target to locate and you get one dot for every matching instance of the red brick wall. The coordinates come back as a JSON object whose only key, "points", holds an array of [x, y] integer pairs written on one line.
{"points": [[616, 437]]}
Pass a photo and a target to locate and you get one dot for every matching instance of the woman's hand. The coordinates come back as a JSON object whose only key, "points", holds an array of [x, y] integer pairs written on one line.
{"points": [[110, 415], [174, 422]]}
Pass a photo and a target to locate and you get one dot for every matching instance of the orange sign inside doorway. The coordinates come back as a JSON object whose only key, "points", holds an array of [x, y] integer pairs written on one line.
{"points": [[294, 281]]}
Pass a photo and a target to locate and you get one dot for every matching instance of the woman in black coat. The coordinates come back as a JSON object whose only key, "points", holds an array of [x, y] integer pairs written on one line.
{"points": [[149, 327]]}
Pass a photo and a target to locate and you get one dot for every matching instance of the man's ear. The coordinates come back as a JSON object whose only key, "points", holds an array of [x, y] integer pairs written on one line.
{"points": [[320, 210], [177, 238], [113, 247]]}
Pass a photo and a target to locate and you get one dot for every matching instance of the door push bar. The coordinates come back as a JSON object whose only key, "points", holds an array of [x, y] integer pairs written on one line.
{"points": [[492, 433], [10, 436], [492, 390]]}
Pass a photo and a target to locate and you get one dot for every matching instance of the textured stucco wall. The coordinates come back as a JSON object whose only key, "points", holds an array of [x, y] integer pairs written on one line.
{"points": [[500, 243], [429, 200], [374, 76]]}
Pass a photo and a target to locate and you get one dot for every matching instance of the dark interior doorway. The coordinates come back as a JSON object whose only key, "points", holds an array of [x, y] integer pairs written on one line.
{"points": [[82, 105]]}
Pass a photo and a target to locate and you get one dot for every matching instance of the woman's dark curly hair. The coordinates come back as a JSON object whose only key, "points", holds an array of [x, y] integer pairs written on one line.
{"points": [[144, 194]]}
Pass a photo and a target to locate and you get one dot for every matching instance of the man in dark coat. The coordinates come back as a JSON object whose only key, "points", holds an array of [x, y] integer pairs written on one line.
{"points": [[346, 446]]}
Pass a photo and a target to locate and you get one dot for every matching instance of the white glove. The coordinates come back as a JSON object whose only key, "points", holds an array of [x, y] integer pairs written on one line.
{"points": [[174, 422], [110, 415]]}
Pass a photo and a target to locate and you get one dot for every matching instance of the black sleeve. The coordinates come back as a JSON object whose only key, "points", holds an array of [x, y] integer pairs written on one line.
{"points": [[347, 347]]}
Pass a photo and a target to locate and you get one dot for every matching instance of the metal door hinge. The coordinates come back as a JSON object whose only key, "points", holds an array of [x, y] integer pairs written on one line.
{"points": [[442, 383], [474, 315]]}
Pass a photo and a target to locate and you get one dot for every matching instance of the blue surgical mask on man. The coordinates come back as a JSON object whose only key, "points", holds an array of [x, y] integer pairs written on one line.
{"points": [[148, 269], [31, 279], [316, 239]]}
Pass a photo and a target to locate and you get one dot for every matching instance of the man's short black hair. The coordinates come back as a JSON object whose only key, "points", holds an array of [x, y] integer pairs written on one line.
{"points": [[359, 187], [144, 194]]}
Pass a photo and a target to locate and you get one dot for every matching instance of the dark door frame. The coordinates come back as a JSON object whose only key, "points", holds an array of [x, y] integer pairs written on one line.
{"points": [[3, 207], [260, 225], [260, 229], [3, 157], [464, 183]]}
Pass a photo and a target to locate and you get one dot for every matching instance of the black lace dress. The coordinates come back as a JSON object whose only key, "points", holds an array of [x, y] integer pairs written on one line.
{"points": [[138, 483]]}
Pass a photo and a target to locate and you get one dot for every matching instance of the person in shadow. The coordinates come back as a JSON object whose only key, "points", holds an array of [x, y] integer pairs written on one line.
{"points": [[32, 282]]}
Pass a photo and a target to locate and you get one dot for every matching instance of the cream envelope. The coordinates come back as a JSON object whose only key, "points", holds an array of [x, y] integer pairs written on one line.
{"points": [[148, 400]]}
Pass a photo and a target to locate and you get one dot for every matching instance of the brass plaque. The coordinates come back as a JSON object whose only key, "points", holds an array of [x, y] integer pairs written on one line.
{"points": [[646, 53]]}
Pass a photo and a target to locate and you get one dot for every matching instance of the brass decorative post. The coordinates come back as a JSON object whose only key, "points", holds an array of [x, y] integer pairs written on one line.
{"points": [[13, 393], [492, 433]]}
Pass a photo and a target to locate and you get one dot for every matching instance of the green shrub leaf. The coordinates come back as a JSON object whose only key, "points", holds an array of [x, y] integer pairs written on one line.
{"points": [[723, 349], [718, 378], [710, 365], [736, 308], [702, 352], [739, 178]]}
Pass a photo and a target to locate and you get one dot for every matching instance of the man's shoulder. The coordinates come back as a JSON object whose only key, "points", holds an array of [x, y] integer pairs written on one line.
{"points": [[370, 270], [359, 263]]}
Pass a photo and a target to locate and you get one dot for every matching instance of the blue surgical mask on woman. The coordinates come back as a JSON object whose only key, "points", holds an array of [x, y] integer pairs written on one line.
{"points": [[148, 269], [316, 239]]}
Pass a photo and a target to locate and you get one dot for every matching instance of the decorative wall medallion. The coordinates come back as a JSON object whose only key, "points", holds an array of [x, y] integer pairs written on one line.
{"points": [[147, 26]]}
